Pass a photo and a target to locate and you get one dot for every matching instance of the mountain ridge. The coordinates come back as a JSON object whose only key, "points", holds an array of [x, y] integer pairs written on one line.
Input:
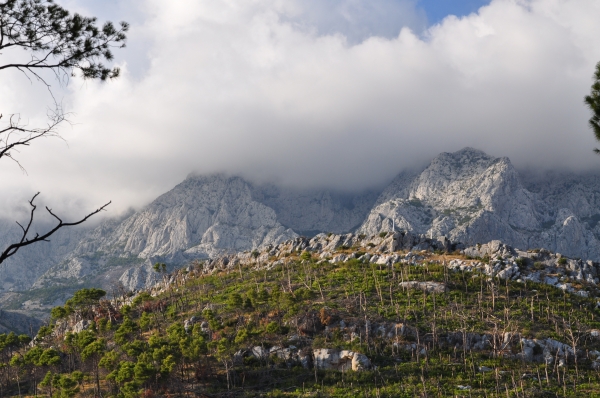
{"points": [[466, 196]]}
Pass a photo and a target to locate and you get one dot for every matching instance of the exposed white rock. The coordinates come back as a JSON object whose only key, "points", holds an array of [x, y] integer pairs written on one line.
{"points": [[141, 277], [341, 360], [471, 197]]}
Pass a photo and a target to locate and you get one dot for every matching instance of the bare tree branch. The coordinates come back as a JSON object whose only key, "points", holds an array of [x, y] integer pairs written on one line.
{"points": [[60, 42], [14, 134], [26, 241]]}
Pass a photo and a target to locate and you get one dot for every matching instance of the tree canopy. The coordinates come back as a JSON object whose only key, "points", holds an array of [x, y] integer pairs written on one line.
{"points": [[53, 38], [593, 102]]}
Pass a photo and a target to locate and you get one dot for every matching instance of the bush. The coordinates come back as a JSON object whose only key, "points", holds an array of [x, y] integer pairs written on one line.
{"points": [[141, 298], [562, 261], [59, 312], [242, 335], [272, 327], [235, 301], [521, 262]]}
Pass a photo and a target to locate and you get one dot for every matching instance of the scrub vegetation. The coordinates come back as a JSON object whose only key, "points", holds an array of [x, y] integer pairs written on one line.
{"points": [[257, 330]]}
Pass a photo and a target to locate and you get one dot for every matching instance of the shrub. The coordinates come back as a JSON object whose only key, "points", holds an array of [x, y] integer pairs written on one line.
{"points": [[235, 301], [140, 298], [59, 312], [242, 335], [521, 262], [305, 256], [562, 261], [272, 327]]}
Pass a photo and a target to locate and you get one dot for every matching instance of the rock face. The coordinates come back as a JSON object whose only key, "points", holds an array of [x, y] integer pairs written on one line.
{"points": [[309, 212], [470, 197], [136, 278], [203, 217]]}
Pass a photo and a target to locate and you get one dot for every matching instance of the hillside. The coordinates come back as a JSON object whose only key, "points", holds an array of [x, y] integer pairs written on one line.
{"points": [[341, 315]]}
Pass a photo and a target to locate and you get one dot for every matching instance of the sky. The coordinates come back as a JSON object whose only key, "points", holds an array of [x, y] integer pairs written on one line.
{"points": [[341, 94]]}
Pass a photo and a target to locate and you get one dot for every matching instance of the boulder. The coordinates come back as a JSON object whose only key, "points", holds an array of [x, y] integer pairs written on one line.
{"points": [[340, 360]]}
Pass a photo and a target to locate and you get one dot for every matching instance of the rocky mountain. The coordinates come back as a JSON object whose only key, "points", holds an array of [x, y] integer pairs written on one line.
{"points": [[202, 217], [466, 196], [472, 197], [309, 212]]}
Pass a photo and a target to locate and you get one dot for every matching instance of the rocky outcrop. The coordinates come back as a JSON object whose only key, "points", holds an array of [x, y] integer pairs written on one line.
{"points": [[137, 278], [470, 197], [340, 360], [429, 287], [203, 217]]}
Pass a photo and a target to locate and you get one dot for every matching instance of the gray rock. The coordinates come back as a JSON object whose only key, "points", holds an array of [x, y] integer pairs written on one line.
{"points": [[260, 352], [140, 277], [80, 326], [430, 287], [470, 197]]}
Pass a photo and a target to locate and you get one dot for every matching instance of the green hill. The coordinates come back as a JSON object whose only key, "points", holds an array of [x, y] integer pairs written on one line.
{"points": [[297, 323]]}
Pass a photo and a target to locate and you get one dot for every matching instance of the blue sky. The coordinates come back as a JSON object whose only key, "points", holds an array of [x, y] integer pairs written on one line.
{"points": [[437, 10]]}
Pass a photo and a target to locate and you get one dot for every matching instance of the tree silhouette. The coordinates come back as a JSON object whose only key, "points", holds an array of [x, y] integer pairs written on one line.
{"points": [[593, 102], [39, 35]]}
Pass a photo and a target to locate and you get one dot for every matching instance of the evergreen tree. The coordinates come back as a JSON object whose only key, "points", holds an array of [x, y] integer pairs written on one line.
{"points": [[593, 102]]}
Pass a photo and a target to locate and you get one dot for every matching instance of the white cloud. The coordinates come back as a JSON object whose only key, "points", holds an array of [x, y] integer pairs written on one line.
{"points": [[281, 90]]}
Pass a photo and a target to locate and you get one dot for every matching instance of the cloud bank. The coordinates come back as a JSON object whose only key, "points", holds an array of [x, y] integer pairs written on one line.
{"points": [[343, 96]]}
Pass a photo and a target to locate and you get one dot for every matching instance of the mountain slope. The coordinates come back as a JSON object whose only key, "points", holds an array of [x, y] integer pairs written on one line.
{"points": [[202, 217], [391, 315], [311, 211]]}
